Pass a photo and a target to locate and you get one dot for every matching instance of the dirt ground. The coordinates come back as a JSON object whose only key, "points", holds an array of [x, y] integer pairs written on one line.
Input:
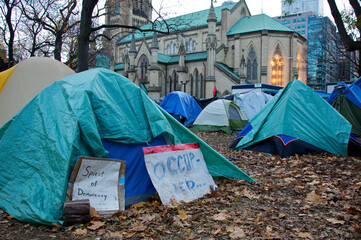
{"points": [[301, 197]]}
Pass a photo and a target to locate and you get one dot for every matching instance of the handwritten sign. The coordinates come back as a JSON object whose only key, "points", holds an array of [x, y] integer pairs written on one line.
{"points": [[100, 180], [178, 172]]}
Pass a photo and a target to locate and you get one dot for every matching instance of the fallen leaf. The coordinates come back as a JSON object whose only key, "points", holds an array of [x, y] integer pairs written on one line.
{"points": [[235, 232], [115, 234], [138, 227], [129, 235], [182, 214], [335, 221], [219, 217], [80, 231], [95, 225], [188, 230], [217, 231], [305, 235], [174, 202], [139, 205]]}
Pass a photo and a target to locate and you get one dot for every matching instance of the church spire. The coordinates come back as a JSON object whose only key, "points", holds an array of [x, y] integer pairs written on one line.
{"points": [[212, 14]]}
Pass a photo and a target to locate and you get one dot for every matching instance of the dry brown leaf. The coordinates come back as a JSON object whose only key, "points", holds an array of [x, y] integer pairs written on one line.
{"points": [[115, 234], [335, 221], [217, 231], [235, 232], [139, 205], [182, 214], [174, 202], [305, 235], [313, 197], [95, 225], [138, 227], [219, 217], [129, 235], [80, 231], [94, 213]]}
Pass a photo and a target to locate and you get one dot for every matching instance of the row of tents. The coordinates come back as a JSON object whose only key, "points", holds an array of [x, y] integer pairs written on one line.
{"points": [[227, 114], [297, 120], [99, 113]]}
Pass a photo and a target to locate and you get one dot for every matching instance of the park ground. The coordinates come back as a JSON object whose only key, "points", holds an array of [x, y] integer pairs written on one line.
{"points": [[300, 197]]}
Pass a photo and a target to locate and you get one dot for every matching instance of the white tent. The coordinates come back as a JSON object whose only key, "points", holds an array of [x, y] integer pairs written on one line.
{"points": [[25, 80], [252, 102], [220, 115]]}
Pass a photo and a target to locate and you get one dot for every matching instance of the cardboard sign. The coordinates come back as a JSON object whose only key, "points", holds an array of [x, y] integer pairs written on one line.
{"points": [[101, 180], [178, 172]]}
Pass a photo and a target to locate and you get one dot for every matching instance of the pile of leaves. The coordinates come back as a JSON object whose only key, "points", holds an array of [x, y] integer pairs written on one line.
{"points": [[300, 197]]}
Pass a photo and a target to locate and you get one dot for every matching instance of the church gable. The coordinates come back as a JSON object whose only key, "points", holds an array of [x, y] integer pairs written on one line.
{"points": [[143, 50]]}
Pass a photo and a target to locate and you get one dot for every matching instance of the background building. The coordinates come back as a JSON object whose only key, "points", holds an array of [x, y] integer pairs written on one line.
{"points": [[315, 6], [327, 60], [217, 47]]}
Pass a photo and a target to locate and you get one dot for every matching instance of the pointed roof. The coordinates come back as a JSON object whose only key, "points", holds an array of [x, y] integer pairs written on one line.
{"points": [[132, 49], [257, 23], [154, 42], [212, 14]]}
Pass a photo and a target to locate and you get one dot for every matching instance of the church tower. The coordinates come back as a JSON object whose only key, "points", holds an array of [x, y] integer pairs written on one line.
{"points": [[127, 13]]}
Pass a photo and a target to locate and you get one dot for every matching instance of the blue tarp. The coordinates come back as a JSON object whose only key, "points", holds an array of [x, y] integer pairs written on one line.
{"points": [[182, 104], [352, 93]]}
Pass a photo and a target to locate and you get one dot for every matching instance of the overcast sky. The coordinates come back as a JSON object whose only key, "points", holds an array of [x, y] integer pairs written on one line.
{"points": [[272, 8]]}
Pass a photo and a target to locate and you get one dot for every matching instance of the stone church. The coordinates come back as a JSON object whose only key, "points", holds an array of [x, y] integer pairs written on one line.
{"points": [[217, 48]]}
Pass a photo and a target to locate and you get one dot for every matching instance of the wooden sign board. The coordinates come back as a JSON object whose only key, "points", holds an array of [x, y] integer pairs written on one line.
{"points": [[101, 180], [178, 172]]}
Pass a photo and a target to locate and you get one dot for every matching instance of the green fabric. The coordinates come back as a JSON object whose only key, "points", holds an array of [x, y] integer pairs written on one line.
{"points": [[299, 112], [350, 111], [237, 124], [211, 128], [39, 146]]}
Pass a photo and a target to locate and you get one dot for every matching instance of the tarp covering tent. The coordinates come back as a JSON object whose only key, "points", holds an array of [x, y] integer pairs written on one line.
{"points": [[347, 101], [252, 102], [19, 84], [203, 102], [221, 115], [297, 111], [182, 106], [71, 118]]}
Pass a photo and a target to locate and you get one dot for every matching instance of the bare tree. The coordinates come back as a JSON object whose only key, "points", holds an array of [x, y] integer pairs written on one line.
{"points": [[350, 43], [54, 16], [33, 37], [9, 8]]}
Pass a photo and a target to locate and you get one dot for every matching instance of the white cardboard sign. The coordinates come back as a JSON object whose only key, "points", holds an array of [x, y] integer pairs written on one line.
{"points": [[178, 172], [98, 180]]}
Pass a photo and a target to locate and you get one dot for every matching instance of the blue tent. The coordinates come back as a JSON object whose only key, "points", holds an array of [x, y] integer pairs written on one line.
{"points": [[182, 106], [96, 113], [347, 101]]}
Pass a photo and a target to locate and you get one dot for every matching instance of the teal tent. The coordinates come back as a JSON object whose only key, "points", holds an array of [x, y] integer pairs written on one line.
{"points": [[299, 112], [40, 145]]}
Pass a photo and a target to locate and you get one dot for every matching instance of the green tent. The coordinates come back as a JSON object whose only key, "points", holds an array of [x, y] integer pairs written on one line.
{"points": [[221, 115], [299, 112], [39, 146]]}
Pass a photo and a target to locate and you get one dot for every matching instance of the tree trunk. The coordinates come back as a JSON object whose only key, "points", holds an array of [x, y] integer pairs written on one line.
{"points": [[84, 34], [12, 35], [58, 46]]}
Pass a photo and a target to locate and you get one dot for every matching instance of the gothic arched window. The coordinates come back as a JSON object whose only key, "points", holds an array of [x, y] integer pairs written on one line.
{"points": [[277, 67], [252, 65], [143, 68]]}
